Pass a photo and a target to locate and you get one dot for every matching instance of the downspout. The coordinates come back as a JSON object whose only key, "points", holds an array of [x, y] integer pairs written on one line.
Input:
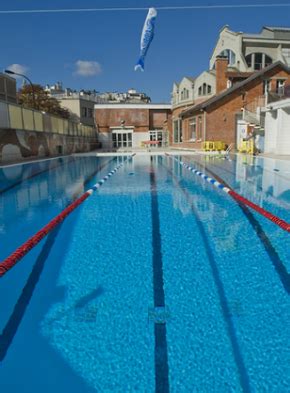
{"points": [[204, 125]]}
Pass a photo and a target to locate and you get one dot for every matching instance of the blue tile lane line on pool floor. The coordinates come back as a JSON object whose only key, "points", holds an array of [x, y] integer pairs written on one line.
{"points": [[244, 378], [270, 249], [10, 329], [161, 354]]}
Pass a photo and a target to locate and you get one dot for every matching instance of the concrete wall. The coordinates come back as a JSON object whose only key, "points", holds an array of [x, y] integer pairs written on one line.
{"points": [[18, 145], [277, 131], [271, 130], [283, 137], [76, 105], [233, 41], [26, 133]]}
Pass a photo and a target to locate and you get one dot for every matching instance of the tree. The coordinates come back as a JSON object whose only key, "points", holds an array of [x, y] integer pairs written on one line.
{"points": [[42, 102]]}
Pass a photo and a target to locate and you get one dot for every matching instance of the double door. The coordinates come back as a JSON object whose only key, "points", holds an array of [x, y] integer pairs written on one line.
{"points": [[122, 139]]}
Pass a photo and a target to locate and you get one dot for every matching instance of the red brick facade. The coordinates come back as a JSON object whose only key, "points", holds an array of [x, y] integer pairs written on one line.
{"points": [[218, 118], [141, 119], [221, 66]]}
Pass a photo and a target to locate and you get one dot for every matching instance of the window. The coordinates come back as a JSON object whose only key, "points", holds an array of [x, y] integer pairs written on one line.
{"points": [[84, 112], [286, 55], [266, 86], [199, 127], [257, 61], [230, 55], [268, 60], [90, 113], [184, 94], [204, 90], [192, 129], [177, 131], [280, 86]]}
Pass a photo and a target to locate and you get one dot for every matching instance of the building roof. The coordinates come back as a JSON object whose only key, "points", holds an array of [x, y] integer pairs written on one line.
{"points": [[192, 79], [284, 103], [234, 88], [132, 106], [270, 33], [276, 28], [238, 74]]}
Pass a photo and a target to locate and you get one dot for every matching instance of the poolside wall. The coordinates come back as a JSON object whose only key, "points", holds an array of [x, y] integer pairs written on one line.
{"points": [[26, 133], [18, 145]]}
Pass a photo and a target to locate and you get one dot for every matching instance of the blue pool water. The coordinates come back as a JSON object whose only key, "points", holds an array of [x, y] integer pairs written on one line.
{"points": [[157, 283]]}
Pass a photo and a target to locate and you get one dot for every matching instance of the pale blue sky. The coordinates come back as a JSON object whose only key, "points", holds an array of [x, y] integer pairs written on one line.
{"points": [[98, 50]]}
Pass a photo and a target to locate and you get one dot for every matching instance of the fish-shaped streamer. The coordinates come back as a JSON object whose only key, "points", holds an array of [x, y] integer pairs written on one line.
{"points": [[146, 37]]}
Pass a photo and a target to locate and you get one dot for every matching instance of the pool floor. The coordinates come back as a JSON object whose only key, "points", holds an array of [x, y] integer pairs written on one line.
{"points": [[157, 283]]}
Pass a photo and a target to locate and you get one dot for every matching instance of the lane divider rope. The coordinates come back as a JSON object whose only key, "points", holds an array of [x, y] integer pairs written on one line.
{"points": [[9, 262], [239, 198]]}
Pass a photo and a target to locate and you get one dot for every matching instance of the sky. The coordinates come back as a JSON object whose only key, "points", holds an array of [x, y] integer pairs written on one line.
{"points": [[98, 50]]}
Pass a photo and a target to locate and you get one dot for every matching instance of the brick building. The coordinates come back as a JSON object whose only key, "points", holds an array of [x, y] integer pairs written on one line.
{"points": [[130, 125], [216, 119]]}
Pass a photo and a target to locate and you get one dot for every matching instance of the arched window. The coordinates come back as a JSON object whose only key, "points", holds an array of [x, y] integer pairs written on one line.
{"points": [[204, 89], [230, 55], [184, 94], [258, 60]]}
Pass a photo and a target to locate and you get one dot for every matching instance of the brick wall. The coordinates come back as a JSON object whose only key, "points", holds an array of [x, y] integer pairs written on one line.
{"points": [[221, 116], [106, 118], [221, 66], [141, 119]]}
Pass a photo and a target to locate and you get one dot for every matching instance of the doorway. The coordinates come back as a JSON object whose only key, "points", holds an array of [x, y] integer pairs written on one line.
{"points": [[122, 139]]}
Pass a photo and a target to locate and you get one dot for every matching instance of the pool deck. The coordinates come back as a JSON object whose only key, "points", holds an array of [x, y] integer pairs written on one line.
{"points": [[150, 151]]}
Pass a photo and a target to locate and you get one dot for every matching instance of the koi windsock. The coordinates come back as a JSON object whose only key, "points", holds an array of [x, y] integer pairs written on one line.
{"points": [[146, 37]]}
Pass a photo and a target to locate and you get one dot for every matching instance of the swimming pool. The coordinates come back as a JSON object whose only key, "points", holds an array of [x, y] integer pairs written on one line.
{"points": [[157, 283]]}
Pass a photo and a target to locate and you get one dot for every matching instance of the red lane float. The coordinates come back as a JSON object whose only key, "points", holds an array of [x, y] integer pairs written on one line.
{"points": [[21, 251], [239, 198], [276, 220], [18, 254]]}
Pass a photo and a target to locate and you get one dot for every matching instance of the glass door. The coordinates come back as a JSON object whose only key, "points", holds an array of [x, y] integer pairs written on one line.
{"points": [[122, 139], [158, 136]]}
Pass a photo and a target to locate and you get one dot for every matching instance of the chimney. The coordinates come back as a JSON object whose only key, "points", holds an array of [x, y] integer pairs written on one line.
{"points": [[221, 66]]}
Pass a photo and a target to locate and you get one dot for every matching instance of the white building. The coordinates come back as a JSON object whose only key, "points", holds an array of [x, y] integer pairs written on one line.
{"points": [[277, 128], [246, 54], [252, 52]]}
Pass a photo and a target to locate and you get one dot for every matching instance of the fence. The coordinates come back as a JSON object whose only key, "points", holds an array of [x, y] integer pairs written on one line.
{"points": [[20, 118]]}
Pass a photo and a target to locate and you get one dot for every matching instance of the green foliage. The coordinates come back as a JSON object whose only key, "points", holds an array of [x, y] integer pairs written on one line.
{"points": [[41, 101]]}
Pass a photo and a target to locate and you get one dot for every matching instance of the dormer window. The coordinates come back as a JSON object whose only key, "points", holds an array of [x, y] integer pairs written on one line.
{"points": [[230, 55], [184, 94], [257, 61], [204, 90]]}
